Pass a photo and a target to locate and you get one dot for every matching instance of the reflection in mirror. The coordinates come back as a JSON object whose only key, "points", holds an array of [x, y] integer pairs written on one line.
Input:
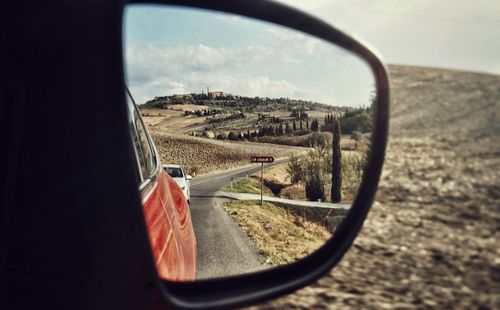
{"points": [[272, 125]]}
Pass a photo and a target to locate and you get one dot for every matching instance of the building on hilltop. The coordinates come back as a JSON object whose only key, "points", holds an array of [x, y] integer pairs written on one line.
{"points": [[217, 95], [182, 96]]}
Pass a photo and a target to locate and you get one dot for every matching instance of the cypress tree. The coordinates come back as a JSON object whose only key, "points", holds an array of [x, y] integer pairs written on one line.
{"points": [[315, 125], [232, 136], [271, 131], [336, 193], [294, 126], [300, 125]]}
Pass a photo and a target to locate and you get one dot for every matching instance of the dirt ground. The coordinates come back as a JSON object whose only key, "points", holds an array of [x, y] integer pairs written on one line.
{"points": [[432, 237]]}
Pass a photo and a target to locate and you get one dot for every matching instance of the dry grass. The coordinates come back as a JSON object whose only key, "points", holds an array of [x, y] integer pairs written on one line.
{"points": [[296, 192], [282, 236], [173, 120], [276, 174], [250, 185]]}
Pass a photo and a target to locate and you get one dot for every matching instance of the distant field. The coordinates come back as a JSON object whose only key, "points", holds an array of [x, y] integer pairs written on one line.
{"points": [[179, 107], [203, 155], [174, 120], [346, 143]]}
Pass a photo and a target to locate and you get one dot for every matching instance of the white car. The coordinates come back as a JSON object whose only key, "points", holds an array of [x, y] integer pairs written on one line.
{"points": [[181, 178]]}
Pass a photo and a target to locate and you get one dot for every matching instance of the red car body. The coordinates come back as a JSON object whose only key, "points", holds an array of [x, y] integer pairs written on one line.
{"points": [[166, 211], [170, 230]]}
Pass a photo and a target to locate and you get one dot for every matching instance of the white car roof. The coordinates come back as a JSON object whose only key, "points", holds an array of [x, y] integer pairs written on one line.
{"points": [[172, 166]]}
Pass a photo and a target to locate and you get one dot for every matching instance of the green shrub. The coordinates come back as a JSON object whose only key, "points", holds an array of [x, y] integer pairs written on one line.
{"points": [[295, 169], [352, 171], [356, 120], [356, 136], [315, 181]]}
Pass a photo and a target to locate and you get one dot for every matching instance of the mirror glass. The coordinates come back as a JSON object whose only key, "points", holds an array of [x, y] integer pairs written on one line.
{"points": [[272, 125]]}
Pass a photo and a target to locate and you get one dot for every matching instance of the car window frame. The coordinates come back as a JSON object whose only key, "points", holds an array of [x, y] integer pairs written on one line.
{"points": [[145, 181], [138, 156]]}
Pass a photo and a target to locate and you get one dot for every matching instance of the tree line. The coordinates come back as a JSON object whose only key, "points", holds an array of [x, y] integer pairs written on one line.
{"points": [[203, 112]]}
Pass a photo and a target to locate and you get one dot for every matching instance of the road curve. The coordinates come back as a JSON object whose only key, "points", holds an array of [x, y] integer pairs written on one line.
{"points": [[223, 249]]}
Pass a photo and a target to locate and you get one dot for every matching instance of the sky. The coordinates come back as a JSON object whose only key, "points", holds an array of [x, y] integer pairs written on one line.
{"points": [[458, 34], [171, 50]]}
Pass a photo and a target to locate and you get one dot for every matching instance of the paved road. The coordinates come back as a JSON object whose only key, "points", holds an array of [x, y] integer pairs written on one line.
{"points": [[222, 247]]}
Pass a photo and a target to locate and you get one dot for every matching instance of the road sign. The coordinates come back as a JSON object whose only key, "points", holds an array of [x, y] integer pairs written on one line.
{"points": [[262, 159]]}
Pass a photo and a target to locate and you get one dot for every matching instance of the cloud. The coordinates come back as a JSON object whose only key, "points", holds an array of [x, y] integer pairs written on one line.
{"points": [[271, 61], [287, 59], [273, 70], [149, 61], [200, 57], [264, 86], [287, 39], [154, 71]]}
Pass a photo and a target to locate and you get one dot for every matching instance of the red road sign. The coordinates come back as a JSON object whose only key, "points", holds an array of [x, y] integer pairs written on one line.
{"points": [[262, 159]]}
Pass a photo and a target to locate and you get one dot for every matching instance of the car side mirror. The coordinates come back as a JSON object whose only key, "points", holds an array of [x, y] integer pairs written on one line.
{"points": [[229, 290], [80, 238]]}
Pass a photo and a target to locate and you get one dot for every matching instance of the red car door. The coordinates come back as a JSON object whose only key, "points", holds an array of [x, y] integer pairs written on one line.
{"points": [[166, 210]]}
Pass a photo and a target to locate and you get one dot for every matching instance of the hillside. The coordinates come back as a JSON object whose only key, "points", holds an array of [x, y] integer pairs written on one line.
{"points": [[445, 104], [229, 101], [232, 117], [431, 239]]}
